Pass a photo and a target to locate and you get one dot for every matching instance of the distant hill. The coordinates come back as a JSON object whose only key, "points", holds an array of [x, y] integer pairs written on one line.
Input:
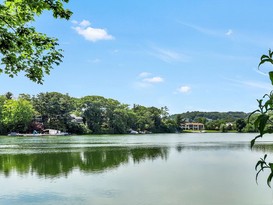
{"points": [[226, 116]]}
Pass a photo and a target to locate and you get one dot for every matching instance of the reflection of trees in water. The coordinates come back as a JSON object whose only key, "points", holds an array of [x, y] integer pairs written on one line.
{"points": [[212, 146], [89, 160], [259, 147], [152, 153], [268, 147]]}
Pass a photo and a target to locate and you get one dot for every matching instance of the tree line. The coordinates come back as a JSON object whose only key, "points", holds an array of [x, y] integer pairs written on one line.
{"points": [[100, 115], [226, 116], [219, 121], [86, 115]]}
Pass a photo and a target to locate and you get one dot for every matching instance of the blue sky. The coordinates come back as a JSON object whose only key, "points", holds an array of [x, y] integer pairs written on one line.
{"points": [[186, 55]]}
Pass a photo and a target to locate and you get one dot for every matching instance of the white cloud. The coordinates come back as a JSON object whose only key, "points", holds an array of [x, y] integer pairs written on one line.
{"points": [[153, 80], [260, 72], [169, 56], [252, 84], [96, 60], [84, 23], [146, 79], [74, 22], [144, 74], [258, 85], [207, 31], [200, 29], [84, 29], [184, 89], [229, 32]]}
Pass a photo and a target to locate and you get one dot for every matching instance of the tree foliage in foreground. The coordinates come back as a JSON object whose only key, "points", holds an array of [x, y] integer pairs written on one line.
{"points": [[264, 121], [22, 48]]}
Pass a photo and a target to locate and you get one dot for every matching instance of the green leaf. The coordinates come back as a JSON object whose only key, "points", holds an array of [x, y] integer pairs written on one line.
{"points": [[252, 142], [248, 118], [271, 76], [257, 175], [261, 122], [269, 179], [257, 165], [271, 166], [270, 53], [262, 62]]}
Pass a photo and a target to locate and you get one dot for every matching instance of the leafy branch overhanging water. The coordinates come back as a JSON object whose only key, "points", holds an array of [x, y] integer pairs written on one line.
{"points": [[264, 121]]}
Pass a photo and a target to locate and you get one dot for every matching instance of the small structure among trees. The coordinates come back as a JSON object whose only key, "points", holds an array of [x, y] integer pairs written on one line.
{"points": [[192, 126]]}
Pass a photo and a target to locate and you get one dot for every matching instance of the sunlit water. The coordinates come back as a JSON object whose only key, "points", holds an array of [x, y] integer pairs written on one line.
{"points": [[166, 169]]}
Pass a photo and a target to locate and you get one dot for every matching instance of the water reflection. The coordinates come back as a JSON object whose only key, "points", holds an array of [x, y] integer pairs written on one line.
{"points": [[61, 163], [263, 147], [117, 170], [212, 146]]}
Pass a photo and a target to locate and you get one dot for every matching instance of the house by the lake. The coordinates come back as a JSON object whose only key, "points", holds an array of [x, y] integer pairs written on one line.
{"points": [[192, 126]]}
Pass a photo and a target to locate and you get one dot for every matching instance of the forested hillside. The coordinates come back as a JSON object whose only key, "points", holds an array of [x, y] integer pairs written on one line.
{"points": [[226, 116], [220, 121]]}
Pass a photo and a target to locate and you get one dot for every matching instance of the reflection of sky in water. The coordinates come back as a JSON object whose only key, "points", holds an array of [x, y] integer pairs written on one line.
{"points": [[40, 198], [195, 170]]}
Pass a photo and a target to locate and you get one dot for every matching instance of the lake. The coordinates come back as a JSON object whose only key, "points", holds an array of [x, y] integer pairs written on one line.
{"points": [[156, 169]]}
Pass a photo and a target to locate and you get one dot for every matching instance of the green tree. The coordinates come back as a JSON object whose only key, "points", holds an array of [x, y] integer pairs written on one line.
{"points": [[119, 123], [178, 119], [143, 122], [17, 114], [169, 126], [22, 48], [154, 119], [201, 120], [207, 116], [94, 117], [240, 124], [9, 95], [214, 124], [54, 108], [93, 110], [25, 96], [249, 128], [223, 128], [3, 129], [104, 115]]}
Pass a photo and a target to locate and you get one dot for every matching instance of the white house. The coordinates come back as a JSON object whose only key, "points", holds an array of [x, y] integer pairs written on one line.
{"points": [[192, 126], [76, 119]]}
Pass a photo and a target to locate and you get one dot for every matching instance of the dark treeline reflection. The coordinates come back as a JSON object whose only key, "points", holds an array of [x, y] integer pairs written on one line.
{"points": [[259, 147], [98, 159], [263, 147], [212, 146]]}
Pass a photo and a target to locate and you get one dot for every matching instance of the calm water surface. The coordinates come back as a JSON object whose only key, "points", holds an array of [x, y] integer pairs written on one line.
{"points": [[166, 169]]}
